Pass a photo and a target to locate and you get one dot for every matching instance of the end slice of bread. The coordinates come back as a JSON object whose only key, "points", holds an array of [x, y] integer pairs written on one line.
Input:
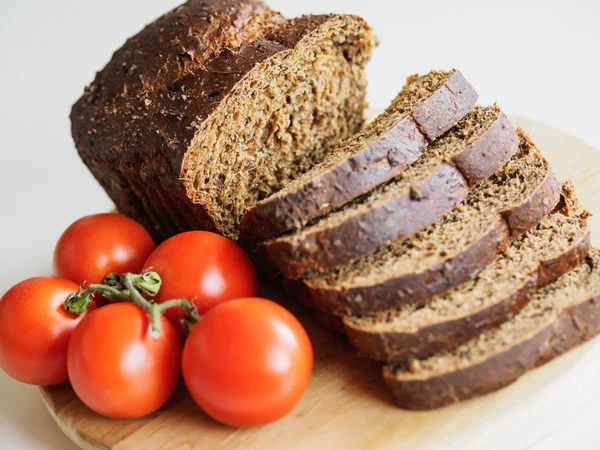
{"points": [[450, 251], [557, 245], [424, 192], [560, 316], [217, 105], [426, 107]]}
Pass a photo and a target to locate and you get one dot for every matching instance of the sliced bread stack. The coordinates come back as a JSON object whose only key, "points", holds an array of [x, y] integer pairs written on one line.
{"points": [[558, 244], [451, 249], [559, 317], [423, 192], [427, 107], [452, 257]]}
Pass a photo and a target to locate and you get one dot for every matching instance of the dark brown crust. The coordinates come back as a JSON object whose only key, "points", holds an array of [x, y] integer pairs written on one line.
{"points": [[179, 42], [376, 163], [552, 269], [395, 346], [402, 216], [496, 145], [573, 326], [528, 214], [135, 122], [446, 107]]}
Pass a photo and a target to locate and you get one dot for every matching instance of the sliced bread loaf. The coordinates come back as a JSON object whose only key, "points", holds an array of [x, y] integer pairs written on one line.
{"points": [[216, 105], [479, 145], [428, 106], [557, 245], [560, 316], [451, 250]]}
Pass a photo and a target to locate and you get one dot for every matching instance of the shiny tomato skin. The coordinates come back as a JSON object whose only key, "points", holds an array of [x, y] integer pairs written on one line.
{"points": [[202, 267], [35, 330], [117, 368], [97, 245], [247, 362]]}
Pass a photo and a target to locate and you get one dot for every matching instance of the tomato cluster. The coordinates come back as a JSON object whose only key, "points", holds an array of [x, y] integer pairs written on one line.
{"points": [[246, 361]]}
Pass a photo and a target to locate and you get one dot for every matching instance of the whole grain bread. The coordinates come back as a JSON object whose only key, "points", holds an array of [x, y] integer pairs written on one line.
{"points": [[478, 146], [560, 316], [216, 105], [427, 106], [451, 250], [556, 246]]}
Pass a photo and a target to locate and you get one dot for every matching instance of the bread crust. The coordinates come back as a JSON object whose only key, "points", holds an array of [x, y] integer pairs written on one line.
{"points": [[376, 163], [495, 146], [390, 346], [527, 215], [135, 123], [573, 326]]}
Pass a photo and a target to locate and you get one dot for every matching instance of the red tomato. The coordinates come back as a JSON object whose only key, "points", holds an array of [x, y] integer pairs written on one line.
{"points": [[35, 330], [96, 245], [202, 267], [115, 365], [247, 362]]}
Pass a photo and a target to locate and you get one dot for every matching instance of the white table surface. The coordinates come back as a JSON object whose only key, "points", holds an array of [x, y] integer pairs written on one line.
{"points": [[539, 59]]}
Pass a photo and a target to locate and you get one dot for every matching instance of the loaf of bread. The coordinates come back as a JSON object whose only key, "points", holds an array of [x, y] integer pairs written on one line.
{"points": [[556, 246], [451, 250], [560, 316], [426, 107], [440, 179], [217, 105]]}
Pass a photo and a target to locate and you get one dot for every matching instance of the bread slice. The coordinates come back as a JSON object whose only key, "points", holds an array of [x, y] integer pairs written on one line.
{"points": [[427, 106], [216, 105], [480, 144], [451, 250], [560, 316], [557, 245]]}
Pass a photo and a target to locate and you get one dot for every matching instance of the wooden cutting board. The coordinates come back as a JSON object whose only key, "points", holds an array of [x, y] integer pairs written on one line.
{"points": [[347, 405]]}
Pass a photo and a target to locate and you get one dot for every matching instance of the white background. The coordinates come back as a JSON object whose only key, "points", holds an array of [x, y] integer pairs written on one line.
{"points": [[538, 59]]}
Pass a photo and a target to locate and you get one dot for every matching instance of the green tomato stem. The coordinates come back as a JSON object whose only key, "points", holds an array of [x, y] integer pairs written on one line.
{"points": [[149, 283], [155, 321], [152, 309], [192, 313], [181, 303], [129, 288], [77, 303], [114, 280]]}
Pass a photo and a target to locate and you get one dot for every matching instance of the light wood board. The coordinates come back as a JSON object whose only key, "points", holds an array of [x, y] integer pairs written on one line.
{"points": [[347, 405]]}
